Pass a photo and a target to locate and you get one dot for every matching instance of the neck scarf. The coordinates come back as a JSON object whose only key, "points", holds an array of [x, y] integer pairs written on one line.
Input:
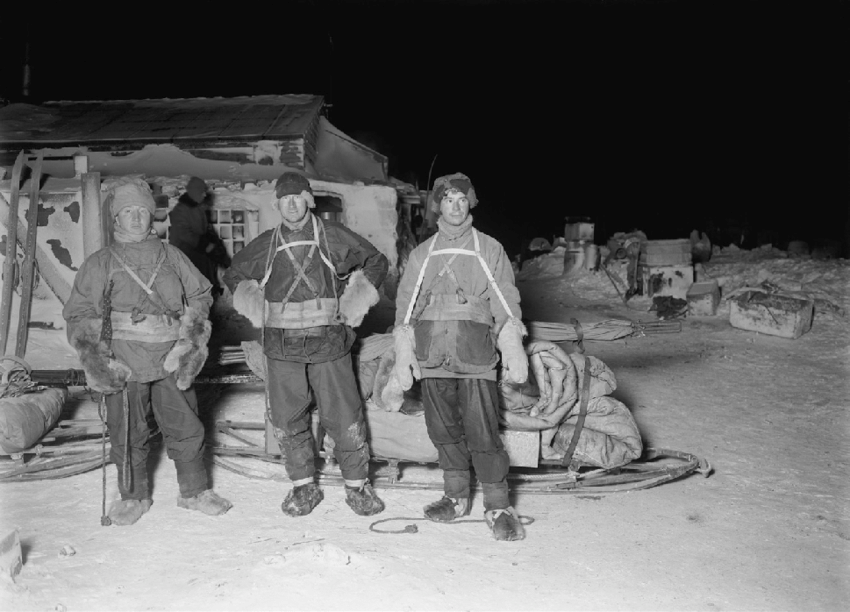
{"points": [[122, 235], [453, 232]]}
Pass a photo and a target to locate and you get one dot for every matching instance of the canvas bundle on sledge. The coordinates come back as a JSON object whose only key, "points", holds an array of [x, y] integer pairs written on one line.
{"points": [[27, 411], [609, 439]]}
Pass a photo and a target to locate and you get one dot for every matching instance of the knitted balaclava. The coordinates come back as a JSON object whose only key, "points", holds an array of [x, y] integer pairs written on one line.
{"points": [[130, 192], [457, 181], [292, 183]]}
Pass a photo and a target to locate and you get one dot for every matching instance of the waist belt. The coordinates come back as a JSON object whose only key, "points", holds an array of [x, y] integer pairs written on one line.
{"points": [[448, 307], [153, 328], [307, 332], [301, 315]]}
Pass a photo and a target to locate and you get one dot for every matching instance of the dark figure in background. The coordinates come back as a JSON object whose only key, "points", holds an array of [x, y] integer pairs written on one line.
{"points": [[306, 283], [192, 233], [416, 223], [137, 317]]}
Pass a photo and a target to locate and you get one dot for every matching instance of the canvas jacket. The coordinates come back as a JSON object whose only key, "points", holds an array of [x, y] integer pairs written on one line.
{"points": [[178, 285], [452, 338]]}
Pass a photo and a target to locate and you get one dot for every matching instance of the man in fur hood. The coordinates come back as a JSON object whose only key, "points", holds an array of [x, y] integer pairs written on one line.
{"points": [[306, 283], [137, 317], [457, 318]]}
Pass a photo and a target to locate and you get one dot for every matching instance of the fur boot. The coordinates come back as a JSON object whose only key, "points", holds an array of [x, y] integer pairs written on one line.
{"points": [[505, 524], [363, 500], [128, 511], [187, 356], [103, 373], [359, 296], [208, 502], [447, 509], [249, 301], [514, 358]]}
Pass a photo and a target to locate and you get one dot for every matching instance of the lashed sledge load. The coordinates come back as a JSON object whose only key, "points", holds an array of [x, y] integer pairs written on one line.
{"points": [[549, 402]]}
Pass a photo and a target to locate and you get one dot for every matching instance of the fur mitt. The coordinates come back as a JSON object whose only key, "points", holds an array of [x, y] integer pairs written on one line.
{"points": [[406, 365], [514, 359], [392, 397], [359, 296], [249, 301], [187, 356], [386, 391], [104, 373]]}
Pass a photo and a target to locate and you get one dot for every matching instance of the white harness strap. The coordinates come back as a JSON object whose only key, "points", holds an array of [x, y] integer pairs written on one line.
{"points": [[146, 287], [455, 252], [314, 244]]}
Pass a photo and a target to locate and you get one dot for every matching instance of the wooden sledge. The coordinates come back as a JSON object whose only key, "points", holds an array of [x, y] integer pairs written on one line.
{"points": [[72, 447], [234, 448]]}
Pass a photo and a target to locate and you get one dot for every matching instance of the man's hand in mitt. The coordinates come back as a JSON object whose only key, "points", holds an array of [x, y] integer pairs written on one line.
{"points": [[514, 359], [359, 296], [406, 364], [104, 373], [249, 301]]}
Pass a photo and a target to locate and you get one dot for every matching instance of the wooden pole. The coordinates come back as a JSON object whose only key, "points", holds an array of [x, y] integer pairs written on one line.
{"points": [[91, 217], [28, 267], [9, 264]]}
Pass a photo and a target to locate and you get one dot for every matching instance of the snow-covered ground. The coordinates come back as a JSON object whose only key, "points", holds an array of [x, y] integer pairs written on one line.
{"points": [[769, 530]]}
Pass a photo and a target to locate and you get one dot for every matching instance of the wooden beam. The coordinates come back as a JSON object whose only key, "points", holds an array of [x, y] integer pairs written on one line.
{"points": [[92, 219]]}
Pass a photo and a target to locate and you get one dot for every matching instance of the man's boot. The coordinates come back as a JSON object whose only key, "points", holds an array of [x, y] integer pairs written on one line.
{"points": [[128, 511], [505, 524], [447, 509], [208, 502], [363, 500], [301, 500]]}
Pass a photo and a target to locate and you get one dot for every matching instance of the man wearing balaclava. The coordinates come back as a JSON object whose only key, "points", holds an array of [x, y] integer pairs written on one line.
{"points": [[457, 318], [191, 232], [306, 283], [137, 317]]}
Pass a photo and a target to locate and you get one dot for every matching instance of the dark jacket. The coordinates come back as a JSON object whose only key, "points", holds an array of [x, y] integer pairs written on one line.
{"points": [[346, 250]]}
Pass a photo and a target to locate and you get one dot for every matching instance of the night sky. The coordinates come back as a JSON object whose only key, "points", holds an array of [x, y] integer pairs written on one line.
{"points": [[660, 116]]}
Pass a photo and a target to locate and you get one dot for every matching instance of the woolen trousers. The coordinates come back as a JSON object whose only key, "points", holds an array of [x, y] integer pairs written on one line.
{"points": [[340, 414], [157, 403], [462, 418]]}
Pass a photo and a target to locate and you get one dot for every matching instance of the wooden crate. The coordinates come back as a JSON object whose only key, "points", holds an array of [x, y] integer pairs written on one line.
{"points": [[579, 231], [667, 280], [667, 252], [775, 314], [703, 298]]}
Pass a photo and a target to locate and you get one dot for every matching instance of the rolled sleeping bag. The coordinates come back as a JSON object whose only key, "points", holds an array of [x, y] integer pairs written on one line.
{"points": [[25, 419]]}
